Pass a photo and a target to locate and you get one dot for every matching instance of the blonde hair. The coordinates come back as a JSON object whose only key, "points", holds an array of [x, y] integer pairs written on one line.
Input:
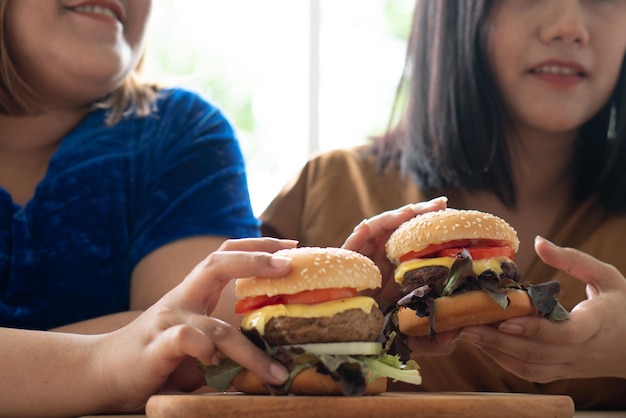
{"points": [[133, 97]]}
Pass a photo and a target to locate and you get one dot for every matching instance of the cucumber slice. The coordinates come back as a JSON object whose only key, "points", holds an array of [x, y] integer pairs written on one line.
{"points": [[357, 348]]}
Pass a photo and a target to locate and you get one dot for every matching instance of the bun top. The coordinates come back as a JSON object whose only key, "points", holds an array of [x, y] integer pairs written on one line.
{"points": [[315, 268], [447, 225]]}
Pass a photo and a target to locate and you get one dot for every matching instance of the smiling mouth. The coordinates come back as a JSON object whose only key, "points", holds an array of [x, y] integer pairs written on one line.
{"points": [[557, 70], [92, 8]]}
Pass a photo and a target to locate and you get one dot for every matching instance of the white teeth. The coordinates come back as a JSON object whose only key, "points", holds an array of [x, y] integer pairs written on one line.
{"points": [[555, 69], [91, 8]]}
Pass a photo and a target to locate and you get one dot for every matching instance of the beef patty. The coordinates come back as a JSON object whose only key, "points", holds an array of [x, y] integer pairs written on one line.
{"points": [[346, 326], [437, 276]]}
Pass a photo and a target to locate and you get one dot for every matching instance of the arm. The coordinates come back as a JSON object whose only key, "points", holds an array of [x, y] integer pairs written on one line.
{"points": [[189, 193], [43, 368], [57, 374], [165, 267], [155, 275]]}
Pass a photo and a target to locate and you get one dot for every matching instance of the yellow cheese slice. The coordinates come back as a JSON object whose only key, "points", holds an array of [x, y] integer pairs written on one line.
{"points": [[478, 265], [258, 318]]}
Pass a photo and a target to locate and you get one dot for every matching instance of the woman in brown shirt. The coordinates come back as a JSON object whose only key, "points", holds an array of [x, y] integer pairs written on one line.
{"points": [[513, 107]]}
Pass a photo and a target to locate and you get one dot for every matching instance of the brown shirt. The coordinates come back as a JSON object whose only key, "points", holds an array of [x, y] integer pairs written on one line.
{"points": [[334, 191]]}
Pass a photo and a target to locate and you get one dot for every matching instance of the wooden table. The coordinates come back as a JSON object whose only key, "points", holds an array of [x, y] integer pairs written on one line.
{"points": [[430, 405], [577, 414]]}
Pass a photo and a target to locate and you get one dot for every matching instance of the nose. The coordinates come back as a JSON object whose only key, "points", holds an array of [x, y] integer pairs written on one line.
{"points": [[564, 21]]}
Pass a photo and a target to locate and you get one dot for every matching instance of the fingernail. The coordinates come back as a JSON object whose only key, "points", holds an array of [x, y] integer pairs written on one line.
{"points": [[510, 328], [469, 337], [420, 206], [279, 261], [439, 199], [290, 242], [539, 239], [361, 224], [279, 372]]}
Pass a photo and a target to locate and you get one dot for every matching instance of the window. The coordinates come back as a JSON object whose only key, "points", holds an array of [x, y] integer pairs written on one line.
{"points": [[294, 76]]}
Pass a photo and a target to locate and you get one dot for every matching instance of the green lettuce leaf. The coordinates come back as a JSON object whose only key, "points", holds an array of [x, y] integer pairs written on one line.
{"points": [[352, 372], [491, 285], [459, 271], [220, 377], [543, 296], [392, 368]]}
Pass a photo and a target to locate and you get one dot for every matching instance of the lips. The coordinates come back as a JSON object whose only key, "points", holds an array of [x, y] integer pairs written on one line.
{"points": [[108, 8], [559, 74], [559, 68]]}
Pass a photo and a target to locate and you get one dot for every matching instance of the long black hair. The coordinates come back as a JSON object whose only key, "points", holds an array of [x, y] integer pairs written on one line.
{"points": [[450, 131]]}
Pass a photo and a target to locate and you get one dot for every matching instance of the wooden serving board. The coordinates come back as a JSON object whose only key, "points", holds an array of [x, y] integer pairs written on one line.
{"points": [[390, 404]]}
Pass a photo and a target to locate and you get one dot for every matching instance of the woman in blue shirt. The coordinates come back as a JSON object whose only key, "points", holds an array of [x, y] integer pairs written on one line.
{"points": [[57, 374], [111, 190]]}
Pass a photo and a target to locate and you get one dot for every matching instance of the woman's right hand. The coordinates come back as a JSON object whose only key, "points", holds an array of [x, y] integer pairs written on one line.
{"points": [[369, 238], [139, 359]]}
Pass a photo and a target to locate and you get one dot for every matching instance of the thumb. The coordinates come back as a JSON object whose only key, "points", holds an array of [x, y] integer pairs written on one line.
{"points": [[598, 276]]}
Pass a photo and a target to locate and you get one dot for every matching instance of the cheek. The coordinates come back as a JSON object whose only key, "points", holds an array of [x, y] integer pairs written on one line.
{"points": [[504, 51], [610, 66], [505, 73], [138, 13], [16, 32]]}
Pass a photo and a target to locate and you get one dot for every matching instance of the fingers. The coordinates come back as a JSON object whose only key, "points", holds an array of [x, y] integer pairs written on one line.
{"points": [[266, 244], [211, 335], [599, 276], [533, 360], [533, 348], [516, 336], [580, 327], [444, 344], [533, 372], [388, 221], [208, 278]]}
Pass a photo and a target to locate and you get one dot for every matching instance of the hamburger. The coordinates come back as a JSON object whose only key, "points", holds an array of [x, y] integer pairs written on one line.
{"points": [[315, 323], [456, 268]]}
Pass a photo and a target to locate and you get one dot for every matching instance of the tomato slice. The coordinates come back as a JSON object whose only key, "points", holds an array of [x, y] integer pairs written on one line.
{"points": [[254, 302], [311, 297], [479, 253], [307, 297], [435, 250]]}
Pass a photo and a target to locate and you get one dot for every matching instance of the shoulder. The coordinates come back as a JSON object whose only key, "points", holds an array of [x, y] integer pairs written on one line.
{"points": [[177, 105], [332, 193], [175, 97], [356, 166], [342, 162], [182, 122]]}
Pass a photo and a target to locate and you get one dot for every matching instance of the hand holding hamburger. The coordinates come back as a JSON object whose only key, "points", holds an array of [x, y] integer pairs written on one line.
{"points": [[457, 269], [315, 323]]}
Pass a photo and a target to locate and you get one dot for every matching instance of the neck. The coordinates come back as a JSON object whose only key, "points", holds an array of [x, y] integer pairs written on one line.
{"points": [[31, 135], [541, 165], [541, 170], [26, 147]]}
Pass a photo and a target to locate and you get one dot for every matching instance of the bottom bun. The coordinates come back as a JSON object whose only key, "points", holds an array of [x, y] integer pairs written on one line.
{"points": [[465, 309], [307, 382]]}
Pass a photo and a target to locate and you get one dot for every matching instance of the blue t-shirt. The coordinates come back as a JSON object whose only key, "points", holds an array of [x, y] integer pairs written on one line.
{"points": [[111, 196]]}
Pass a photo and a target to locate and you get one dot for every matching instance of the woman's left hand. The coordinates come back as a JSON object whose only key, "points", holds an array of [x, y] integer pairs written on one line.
{"points": [[589, 344]]}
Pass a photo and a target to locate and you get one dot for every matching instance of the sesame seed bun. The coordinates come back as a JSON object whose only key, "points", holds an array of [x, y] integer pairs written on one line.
{"points": [[465, 309], [315, 268], [446, 225], [307, 382]]}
